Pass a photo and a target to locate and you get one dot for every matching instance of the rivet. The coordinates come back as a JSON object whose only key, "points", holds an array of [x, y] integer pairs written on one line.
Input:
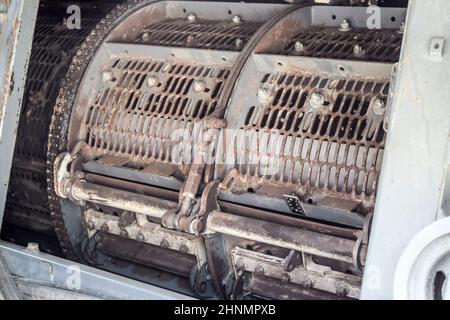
{"points": [[236, 19], [165, 244], [140, 237]]}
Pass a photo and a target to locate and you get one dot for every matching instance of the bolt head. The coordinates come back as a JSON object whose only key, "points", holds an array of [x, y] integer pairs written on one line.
{"points": [[140, 237], [236, 19], [107, 76], [299, 47], [104, 228], [317, 100], [263, 95], [378, 106], [341, 290], [402, 27], [145, 36], [191, 17], [184, 248], [238, 43], [33, 247], [152, 81], [190, 39], [199, 86], [165, 244], [358, 51], [345, 25]]}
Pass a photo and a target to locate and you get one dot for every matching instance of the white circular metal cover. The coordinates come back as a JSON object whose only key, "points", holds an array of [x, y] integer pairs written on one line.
{"points": [[424, 267]]}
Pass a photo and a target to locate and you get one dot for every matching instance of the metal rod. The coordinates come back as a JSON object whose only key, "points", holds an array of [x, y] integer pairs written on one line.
{"points": [[148, 254], [289, 221], [281, 236], [81, 190]]}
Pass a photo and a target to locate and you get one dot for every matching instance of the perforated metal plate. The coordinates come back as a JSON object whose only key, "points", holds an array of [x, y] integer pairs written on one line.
{"points": [[307, 118], [205, 34], [137, 120], [331, 43]]}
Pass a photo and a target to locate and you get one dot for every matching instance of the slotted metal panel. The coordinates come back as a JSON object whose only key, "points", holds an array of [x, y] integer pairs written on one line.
{"points": [[134, 119], [336, 148], [201, 33], [308, 112], [329, 42]]}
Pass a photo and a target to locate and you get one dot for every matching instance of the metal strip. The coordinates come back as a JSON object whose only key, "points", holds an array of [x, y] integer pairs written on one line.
{"points": [[67, 275]]}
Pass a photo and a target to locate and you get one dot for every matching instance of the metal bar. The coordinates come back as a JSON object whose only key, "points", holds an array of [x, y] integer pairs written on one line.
{"points": [[115, 198], [15, 46], [332, 67], [416, 157], [141, 188], [133, 175], [58, 273], [341, 217], [281, 236], [141, 51], [147, 254], [268, 288], [251, 212]]}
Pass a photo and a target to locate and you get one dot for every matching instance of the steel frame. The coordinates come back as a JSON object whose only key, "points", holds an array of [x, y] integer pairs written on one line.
{"points": [[414, 190], [412, 187]]}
